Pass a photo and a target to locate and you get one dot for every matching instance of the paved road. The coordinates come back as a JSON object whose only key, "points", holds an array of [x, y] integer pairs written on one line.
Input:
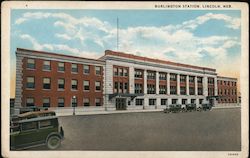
{"points": [[217, 130]]}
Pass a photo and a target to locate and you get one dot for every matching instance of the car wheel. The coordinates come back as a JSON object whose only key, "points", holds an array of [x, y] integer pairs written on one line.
{"points": [[53, 142]]}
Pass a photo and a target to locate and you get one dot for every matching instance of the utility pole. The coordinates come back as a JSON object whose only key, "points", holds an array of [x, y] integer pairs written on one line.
{"points": [[117, 38]]}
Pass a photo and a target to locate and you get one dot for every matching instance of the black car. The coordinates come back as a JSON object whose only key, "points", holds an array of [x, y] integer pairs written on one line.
{"points": [[174, 108]]}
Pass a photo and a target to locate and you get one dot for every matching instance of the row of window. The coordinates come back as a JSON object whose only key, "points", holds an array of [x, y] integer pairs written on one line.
{"points": [[121, 87], [61, 102], [226, 83], [227, 100], [227, 92], [120, 71], [61, 67], [30, 84], [152, 101], [163, 76], [151, 89]]}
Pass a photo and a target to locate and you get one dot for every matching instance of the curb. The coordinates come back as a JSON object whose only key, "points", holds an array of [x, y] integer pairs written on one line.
{"points": [[127, 111]]}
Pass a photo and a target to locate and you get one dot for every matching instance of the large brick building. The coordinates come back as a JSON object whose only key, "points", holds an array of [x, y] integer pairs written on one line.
{"points": [[115, 81]]}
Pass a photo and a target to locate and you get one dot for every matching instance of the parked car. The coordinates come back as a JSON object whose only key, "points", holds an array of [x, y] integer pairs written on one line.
{"points": [[190, 107], [206, 106], [172, 108], [34, 129]]}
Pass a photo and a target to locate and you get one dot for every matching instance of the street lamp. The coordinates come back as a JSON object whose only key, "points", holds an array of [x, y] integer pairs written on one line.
{"points": [[74, 104]]}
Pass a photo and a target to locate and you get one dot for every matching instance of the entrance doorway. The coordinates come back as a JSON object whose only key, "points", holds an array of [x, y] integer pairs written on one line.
{"points": [[120, 103]]}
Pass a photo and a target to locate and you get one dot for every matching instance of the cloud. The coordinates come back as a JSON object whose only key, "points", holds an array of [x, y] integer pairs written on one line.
{"points": [[63, 36], [233, 23], [59, 47], [170, 42]]}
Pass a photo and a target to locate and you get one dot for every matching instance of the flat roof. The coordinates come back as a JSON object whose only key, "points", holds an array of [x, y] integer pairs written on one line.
{"points": [[56, 54], [131, 56], [224, 77]]}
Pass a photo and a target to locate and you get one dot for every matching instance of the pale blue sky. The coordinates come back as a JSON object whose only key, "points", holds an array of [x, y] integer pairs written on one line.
{"points": [[197, 37]]}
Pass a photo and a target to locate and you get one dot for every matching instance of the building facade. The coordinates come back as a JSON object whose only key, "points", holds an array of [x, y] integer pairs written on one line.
{"points": [[53, 80], [116, 81]]}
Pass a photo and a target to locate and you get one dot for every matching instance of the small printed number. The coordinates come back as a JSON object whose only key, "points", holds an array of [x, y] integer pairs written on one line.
{"points": [[233, 154]]}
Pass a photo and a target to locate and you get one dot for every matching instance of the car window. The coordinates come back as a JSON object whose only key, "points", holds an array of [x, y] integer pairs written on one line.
{"points": [[48, 123], [29, 126], [45, 123]]}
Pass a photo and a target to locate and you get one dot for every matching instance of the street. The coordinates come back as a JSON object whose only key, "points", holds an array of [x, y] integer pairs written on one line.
{"points": [[216, 130]]}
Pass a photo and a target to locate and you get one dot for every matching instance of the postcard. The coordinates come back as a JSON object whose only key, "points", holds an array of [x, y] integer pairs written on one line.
{"points": [[125, 79]]}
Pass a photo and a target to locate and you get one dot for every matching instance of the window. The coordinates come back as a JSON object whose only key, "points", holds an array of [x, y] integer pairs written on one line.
{"points": [[31, 63], [46, 83], [46, 102], [139, 102], [152, 102], [86, 102], [46, 65], [200, 91], [97, 85], [115, 71], [74, 84], [30, 102], [86, 69], [192, 101], [61, 67], [210, 80], [30, 82], [162, 76], [60, 83], [97, 102], [162, 89], [200, 101], [138, 73], [98, 70], [120, 87], [86, 85], [29, 126], [150, 75], [184, 101], [151, 89], [125, 72], [125, 87], [199, 79], [173, 77], [120, 72], [174, 101], [45, 123], [191, 90], [138, 88], [116, 87], [164, 101], [74, 68], [182, 78], [183, 90], [173, 90], [60, 102], [191, 79]]}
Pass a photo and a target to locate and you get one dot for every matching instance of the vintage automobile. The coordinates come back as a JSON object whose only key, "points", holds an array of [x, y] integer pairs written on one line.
{"points": [[174, 108], [206, 106], [190, 107], [34, 129]]}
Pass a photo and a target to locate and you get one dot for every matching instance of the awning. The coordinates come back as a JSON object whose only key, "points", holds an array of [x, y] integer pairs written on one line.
{"points": [[127, 95]]}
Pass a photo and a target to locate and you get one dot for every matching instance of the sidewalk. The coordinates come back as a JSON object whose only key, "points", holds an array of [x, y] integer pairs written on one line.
{"points": [[125, 111]]}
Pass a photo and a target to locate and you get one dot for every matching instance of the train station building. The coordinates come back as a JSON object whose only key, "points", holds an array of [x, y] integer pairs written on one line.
{"points": [[115, 81]]}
